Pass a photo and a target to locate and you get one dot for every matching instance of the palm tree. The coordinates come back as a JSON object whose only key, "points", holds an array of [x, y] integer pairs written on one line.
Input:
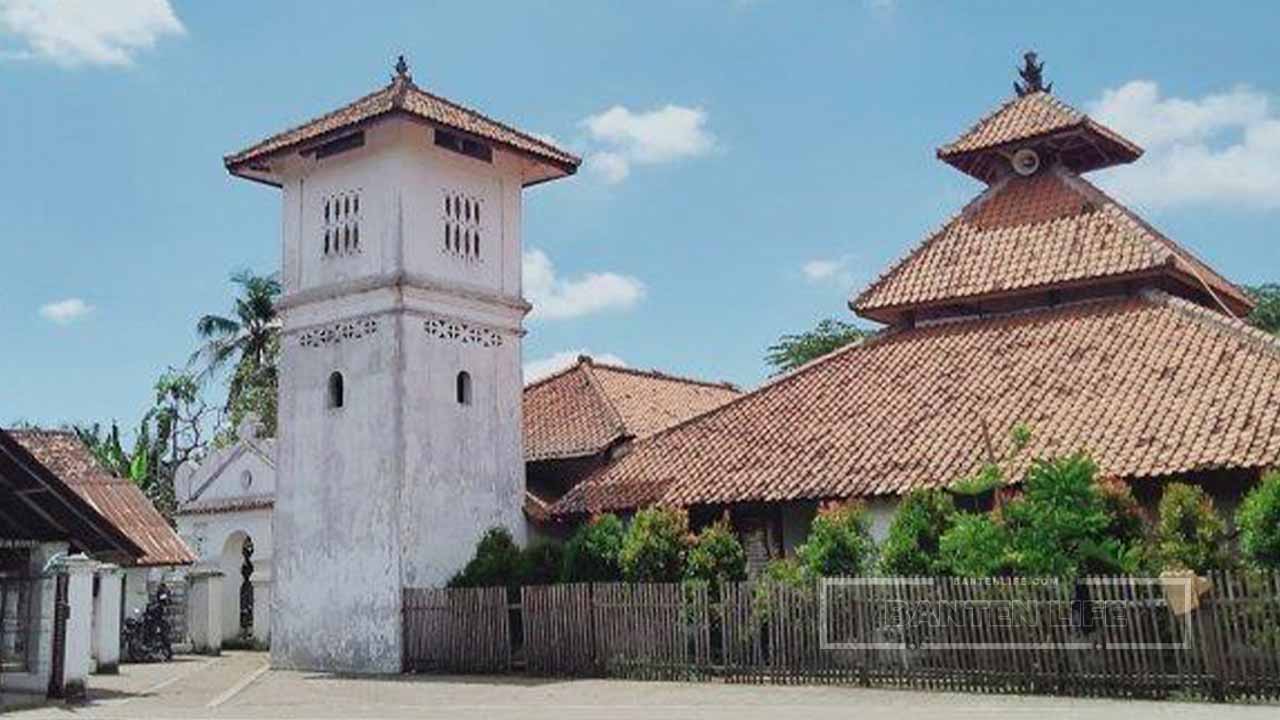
{"points": [[247, 339]]}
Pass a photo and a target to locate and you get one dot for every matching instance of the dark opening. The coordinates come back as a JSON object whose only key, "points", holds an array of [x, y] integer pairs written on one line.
{"points": [[335, 390], [464, 388], [464, 145], [341, 145]]}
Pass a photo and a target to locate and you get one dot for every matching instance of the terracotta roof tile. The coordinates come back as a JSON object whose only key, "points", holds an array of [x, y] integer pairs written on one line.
{"points": [[590, 406], [217, 505], [1019, 118], [1150, 385], [119, 500], [1030, 234], [402, 95]]}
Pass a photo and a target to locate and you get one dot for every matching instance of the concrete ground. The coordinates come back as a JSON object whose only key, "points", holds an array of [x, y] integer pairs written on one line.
{"points": [[239, 685]]}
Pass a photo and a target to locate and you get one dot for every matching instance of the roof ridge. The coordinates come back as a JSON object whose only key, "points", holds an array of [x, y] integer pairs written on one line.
{"points": [[1173, 248], [620, 425], [246, 152], [557, 374], [1233, 325], [470, 110], [657, 374]]}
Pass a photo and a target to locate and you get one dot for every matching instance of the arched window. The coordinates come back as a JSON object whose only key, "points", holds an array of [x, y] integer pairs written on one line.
{"points": [[336, 396], [464, 388]]}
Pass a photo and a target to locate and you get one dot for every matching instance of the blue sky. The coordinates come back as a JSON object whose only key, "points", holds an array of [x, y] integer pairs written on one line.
{"points": [[749, 162]]}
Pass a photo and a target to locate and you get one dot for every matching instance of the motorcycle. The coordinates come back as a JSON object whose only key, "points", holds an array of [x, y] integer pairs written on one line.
{"points": [[145, 635]]}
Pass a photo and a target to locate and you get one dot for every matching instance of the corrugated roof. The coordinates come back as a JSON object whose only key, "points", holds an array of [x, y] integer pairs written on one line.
{"points": [[403, 96], [1150, 386], [589, 406], [119, 500]]}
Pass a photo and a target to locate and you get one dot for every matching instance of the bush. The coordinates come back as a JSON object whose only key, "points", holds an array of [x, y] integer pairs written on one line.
{"points": [[839, 543], [1058, 528], [496, 562], [541, 563], [912, 545], [1128, 523], [591, 554], [1259, 522], [1189, 533], [716, 555], [975, 546], [653, 550]]}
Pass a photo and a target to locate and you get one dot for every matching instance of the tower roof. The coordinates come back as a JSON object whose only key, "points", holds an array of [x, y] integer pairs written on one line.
{"points": [[1042, 121], [400, 97]]}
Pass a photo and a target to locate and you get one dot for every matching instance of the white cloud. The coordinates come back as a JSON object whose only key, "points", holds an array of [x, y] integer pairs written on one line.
{"points": [[1221, 149], [95, 32], [65, 312], [829, 270], [542, 367], [556, 297], [656, 137]]}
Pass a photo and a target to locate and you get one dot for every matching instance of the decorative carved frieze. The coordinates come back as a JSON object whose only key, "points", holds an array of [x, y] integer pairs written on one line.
{"points": [[338, 332]]}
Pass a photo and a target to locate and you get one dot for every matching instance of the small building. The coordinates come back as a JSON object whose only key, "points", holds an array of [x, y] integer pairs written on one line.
{"points": [[120, 501], [59, 607], [1044, 302], [224, 514], [585, 416]]}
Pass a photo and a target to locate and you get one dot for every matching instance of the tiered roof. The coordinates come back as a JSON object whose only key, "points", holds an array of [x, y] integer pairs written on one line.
{"points": [[588, 407], [1043, 302], [117, 499]]}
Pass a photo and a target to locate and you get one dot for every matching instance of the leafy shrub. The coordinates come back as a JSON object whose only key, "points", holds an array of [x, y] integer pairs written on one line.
{"points": [[541, 563], [591, 554], [839, 542], [912, 545], [1128, 523], [654, 547], [716, 555], [1059, 526], [1259, 522], [976, 545], [496, 563], [1189, 533]]}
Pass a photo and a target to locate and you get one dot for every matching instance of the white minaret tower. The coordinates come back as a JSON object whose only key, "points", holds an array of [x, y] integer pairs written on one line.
{"points": [[400, 380]]}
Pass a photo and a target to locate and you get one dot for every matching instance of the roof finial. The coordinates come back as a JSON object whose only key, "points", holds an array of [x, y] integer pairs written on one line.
{"points": [[1032, 77], [402, 69]]}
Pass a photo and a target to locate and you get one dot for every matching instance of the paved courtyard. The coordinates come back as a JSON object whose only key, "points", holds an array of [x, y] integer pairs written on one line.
{"points": [[239, 685]]}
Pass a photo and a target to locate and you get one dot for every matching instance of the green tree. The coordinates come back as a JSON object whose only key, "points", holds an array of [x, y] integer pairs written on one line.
{"points": [[1259, 522], [793, 350], [716, 555], [1189, 532], [976, 545], [591, 555], [1058, 527], [247, 339], [496, 563], [911, 547], [654, 548], [541, 562], [1266, 316], [839, 542]]}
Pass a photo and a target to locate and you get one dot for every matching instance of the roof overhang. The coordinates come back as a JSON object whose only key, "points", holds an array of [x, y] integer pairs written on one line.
{"points": [[36, 504], [1081, 147]]}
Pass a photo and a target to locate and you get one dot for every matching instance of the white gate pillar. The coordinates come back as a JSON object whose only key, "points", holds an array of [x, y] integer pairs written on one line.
{"points": [[77, 648], [261, 580], [204, 595], [106, 615]]}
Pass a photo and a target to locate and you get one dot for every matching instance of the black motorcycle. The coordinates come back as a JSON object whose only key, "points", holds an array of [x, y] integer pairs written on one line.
{"points": [[145, 635]]}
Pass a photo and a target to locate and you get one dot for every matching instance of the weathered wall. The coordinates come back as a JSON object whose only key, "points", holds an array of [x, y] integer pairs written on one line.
{"points": [[394, 487]]}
